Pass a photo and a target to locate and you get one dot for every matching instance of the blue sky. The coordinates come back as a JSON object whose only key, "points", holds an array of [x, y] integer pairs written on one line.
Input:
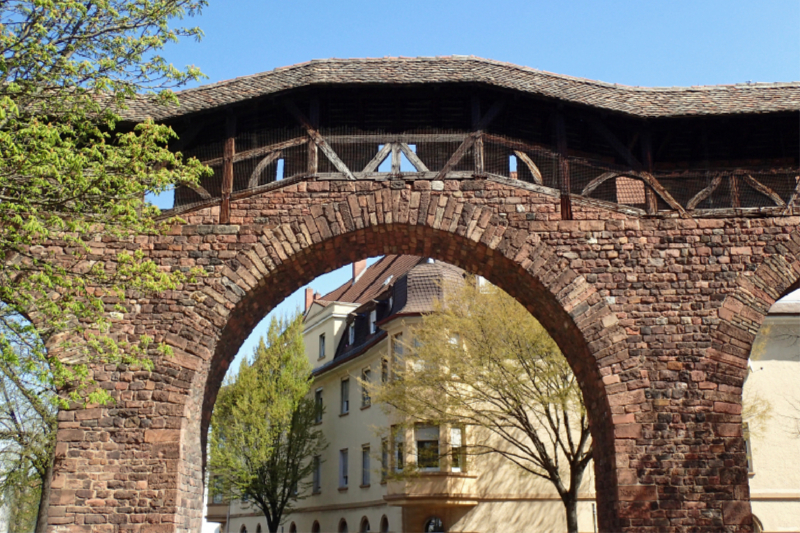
{"points": [[648, 43]]}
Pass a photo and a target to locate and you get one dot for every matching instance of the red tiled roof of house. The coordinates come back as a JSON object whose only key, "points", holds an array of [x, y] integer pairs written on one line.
{"points": [[373, 280]]}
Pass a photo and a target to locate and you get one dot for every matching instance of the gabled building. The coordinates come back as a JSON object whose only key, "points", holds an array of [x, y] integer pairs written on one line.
{"points": [[355, 334]]}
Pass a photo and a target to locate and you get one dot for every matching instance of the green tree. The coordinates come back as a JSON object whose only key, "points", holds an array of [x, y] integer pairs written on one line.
{"points": [[72, 176], [481, 361], [263, 430]]}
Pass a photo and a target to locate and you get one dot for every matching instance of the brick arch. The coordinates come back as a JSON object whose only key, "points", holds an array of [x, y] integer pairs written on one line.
{"points": [[739, 319], [571, 310]]}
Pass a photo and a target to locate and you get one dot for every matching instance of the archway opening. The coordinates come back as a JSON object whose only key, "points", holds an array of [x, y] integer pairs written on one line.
{"points": [[525, 287]]}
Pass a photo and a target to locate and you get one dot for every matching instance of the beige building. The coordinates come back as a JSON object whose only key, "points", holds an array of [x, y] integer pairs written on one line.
{"points": [[353, 334], [774, 447]]}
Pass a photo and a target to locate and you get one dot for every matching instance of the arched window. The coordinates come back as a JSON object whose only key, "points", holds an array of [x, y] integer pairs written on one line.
{"points": [[364, 528], [342, 526], [384, 524], [434, 525], [258, 528], [243, 529], [293, 528], [315, 527]]}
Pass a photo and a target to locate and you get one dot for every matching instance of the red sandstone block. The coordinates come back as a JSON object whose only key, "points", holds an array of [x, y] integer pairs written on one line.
{"points": [[628, 431], [162, 435], [736, 513], [638, 493], [730, 408], [627, 398], [729, 430]]}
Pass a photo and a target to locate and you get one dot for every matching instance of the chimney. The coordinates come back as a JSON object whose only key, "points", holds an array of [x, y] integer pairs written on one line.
{"points": [[309, 298], [358, 268]]}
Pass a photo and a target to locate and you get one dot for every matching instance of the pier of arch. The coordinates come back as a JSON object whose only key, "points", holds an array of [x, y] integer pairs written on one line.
{"points": [[655, 306]]}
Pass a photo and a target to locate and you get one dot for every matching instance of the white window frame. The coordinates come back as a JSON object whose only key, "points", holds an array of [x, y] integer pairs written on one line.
{"points": [[316, 487], [321, 346], [351, 333], [366, 399], [343, 468], [345, 396], [373, 319], [365, 467], [457, 449], [428, 428], [318, 402]]}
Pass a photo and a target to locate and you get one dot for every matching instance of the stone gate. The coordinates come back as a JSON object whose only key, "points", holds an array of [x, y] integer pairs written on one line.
{"points": [[649, 231]]}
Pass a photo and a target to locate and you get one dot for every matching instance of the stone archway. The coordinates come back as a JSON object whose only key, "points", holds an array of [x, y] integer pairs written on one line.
{"points": [[630, 310]]}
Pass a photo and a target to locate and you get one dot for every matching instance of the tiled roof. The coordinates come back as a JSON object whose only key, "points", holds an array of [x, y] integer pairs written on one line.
{"points": [[373, 280], [424, 284], [637, 101]]}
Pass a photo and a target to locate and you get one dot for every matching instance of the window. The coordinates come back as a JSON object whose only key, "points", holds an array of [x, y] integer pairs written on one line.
{"points": [[243, 529], [384, 459], [343, 468], [373, 319], [345, 396], [427, 439], [258, 528], [317, 480], [315, 527], [322, 346], [366, 374], [434, 525], [397, 353], [399, 451], [364, 525], [458, 450], [351, 333], [343, 526], [365, 466], [384, 370], [293, 528], [318, 404], [384, 524]]}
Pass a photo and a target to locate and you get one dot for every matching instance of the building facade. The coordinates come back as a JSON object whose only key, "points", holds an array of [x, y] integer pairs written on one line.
{"points": [[354, 335]]}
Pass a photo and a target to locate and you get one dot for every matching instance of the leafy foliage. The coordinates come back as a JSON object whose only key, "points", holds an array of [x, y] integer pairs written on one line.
{"points": [[72, 175], [263, 434], [480, 360]]}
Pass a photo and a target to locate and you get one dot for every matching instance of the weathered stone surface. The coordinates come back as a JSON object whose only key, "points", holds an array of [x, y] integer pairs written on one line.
{"points": [[655, 316]]}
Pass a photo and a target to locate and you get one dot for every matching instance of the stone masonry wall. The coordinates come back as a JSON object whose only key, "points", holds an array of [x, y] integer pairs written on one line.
{"points": [[656, 317]]}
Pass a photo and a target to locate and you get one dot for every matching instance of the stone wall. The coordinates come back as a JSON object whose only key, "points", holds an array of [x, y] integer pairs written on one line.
{"points": [[656, 317]]}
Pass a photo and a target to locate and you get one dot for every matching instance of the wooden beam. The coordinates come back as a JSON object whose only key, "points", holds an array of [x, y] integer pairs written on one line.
{"points": [[458, 155], [395, 159], [563, 166], [733, 182], [763, 189], [412, 158], [478, 152], [382, 154], [408, 138], [537, 174], [318, 139], [258, 152], [256, 175], [611, 139], [662, 192], [650, 198], [794, 199], [705, 193], [599, 180], [202, 191], [227, 169]]}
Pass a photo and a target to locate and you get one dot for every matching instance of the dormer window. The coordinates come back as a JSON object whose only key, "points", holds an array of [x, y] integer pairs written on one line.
{"points": [[373, 319], [351, 333]]}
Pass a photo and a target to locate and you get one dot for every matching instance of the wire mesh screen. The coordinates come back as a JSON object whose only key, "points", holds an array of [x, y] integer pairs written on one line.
{"points": [[263, 156]]}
